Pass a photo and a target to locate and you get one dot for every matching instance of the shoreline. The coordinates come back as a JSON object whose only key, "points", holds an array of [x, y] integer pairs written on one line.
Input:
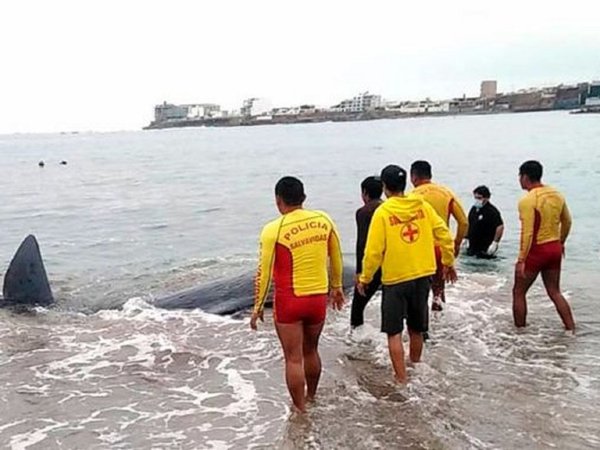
{"points": [[328, 117]]}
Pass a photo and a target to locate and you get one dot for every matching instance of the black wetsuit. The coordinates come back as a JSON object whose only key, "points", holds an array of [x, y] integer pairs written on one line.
{"points": [[483, 223], [359, 302]]}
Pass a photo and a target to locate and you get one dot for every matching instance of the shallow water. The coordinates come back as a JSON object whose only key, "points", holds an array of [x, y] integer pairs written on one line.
{"points": [[139, 214]]}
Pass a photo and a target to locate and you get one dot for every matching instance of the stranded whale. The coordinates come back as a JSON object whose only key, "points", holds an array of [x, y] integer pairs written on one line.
{"points": [[26, 283]]}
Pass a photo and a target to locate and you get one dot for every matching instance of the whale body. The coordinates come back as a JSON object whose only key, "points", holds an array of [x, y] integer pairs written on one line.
{"points": [[26, 283]]}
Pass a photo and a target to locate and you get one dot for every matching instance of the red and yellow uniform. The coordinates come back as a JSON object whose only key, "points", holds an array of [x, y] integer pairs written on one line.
{"points": [[294, 251], [401, 241], [446, 204], [545, 225]]}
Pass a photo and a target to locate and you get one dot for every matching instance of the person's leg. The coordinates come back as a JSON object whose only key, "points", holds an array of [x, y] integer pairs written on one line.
{"points": [[438, 284], [551, 279], [520, 288], [359, 302], [373, 286], [291, 337], [393, 312], [396, 349], [416, 345], [417, 316], [312, 360], [426, 318]]}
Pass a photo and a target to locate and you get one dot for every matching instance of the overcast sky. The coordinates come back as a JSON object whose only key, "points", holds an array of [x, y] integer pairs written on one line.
{"points": [[103, 65]]}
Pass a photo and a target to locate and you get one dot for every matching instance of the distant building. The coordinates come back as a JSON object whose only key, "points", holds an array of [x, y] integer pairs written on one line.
{"points": [[489, 89], [391, 104], [168, 111], [253, 107], [294, 110], [570, 97], [593, 94], [202, 110], [343, 106], [308, 109], [528, 100], [264, 118], [361, 103], [465, 104], [424, 107], [286, 111]]}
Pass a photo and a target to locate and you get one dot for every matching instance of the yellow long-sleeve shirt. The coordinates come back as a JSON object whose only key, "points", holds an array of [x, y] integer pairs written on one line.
{"points": [[544, 218], [447, 205], [401, 241], [294, 251]]}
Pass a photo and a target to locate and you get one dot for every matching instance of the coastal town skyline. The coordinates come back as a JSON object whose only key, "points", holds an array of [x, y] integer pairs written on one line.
{"points": [[581, 97], [103, 66], [576, 92]]}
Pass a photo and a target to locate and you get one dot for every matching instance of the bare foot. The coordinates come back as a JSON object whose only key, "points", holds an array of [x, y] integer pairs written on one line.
{"points": [[296, 410], [401, 380]]}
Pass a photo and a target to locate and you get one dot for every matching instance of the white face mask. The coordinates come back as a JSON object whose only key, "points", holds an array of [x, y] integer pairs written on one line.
{"points": [[478, 204]]}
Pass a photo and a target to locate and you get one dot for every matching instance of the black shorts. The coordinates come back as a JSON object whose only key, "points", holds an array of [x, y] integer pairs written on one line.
{"points": [[405, 301]]}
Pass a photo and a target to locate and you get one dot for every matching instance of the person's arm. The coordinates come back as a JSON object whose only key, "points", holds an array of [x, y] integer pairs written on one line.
{"points": [[335, 258], [374, 248], [496, 221], [462, 223], [442, 235], [565, 223], [499, 233], [527, 218], [361, 238], [493, 248], [336, 264], [471, 219], [266, 260], [499, 225]]}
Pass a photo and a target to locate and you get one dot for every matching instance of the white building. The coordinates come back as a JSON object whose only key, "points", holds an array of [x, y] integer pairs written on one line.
{"points": [[362, 102], [202, 110], [425, 106], [390, 104], [255, 107], [169, 112], [286, 111]]}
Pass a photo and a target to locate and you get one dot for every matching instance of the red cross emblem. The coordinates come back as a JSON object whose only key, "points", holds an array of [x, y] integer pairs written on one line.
{"points": [[410, 232]]}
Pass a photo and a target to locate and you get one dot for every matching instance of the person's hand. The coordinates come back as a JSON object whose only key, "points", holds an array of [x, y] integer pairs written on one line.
{"points": [[356, 276], [492, 249], [337, 298], [361, 287], [450, 274], [520, 269], [254, 319], [564, 255]]}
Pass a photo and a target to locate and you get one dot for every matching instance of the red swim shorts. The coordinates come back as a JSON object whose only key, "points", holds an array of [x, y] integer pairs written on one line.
{"points": [[546, 256], [309, 309]]}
